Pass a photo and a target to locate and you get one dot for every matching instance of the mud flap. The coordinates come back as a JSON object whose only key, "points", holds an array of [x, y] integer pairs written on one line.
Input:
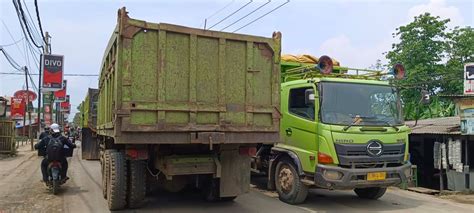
{"points": [[235, 173]]}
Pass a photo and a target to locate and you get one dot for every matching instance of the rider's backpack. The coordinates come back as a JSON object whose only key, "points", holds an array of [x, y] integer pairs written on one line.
{"points": [[54, 149]]}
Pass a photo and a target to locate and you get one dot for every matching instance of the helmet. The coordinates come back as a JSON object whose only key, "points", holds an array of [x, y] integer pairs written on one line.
{"points": [[55, 128]]}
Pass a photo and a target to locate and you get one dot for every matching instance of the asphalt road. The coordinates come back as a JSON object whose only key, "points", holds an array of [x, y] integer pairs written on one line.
{"points": [[21, 191]]}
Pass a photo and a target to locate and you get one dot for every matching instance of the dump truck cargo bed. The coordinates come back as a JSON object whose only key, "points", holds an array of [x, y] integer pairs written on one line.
{"points": [[169, 84]]}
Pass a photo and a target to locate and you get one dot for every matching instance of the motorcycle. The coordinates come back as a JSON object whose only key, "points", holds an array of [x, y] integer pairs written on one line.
{"points": [[54, 176]]}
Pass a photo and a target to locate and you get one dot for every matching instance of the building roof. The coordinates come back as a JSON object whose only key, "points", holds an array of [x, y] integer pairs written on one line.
{"points": [[442, 126]]}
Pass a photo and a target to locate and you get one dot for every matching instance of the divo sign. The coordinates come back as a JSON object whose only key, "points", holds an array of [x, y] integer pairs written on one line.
{"points": [[53, 69]]}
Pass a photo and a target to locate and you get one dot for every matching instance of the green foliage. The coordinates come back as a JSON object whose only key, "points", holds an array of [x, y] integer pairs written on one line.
{"points": [[434, 58]]}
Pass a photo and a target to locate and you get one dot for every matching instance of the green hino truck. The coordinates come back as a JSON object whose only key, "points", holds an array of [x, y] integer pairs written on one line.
{"points": [[338, 131], [180, 106]]}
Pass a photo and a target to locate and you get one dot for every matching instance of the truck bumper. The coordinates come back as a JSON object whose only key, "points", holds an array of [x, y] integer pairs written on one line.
{"points": [[357, 178]]}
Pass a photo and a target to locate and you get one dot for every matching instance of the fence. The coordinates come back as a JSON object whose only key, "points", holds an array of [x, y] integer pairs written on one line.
{"points": [[7, 137]]}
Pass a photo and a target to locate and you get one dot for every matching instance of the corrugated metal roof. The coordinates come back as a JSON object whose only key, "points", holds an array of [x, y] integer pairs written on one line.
{"points": [[444, 126]]}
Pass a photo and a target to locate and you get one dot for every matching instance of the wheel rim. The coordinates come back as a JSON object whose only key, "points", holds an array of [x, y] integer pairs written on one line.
{"points": [[285, 179]]}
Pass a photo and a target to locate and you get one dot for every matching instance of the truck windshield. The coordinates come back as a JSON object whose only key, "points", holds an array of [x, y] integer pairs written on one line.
{"points": [[359, 104]]}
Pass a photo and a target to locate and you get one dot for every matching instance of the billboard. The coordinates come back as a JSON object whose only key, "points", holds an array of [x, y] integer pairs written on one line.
{"points": [[17, 108], [24, 94], [469, 79], [60, 95], [65, 106], [53, 66]]}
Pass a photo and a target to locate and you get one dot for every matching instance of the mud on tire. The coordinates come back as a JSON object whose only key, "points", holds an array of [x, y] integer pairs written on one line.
{"points": [[136, 183], [288, 185], [105, 172], [117, 181]]}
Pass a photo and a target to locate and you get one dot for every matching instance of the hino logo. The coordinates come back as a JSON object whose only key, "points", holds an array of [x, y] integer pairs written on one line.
{"points": [[374, 148]]}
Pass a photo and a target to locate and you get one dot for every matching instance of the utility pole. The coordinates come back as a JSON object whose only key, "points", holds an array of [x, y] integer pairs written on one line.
{"points": [[47, 113], [30, 136]]}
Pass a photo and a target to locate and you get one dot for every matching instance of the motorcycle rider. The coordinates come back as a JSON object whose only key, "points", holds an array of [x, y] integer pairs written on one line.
{"points": [[45, 133], [55, 133]]}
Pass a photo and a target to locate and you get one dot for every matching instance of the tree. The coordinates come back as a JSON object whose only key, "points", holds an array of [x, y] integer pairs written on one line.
{"points": [[422, 48]]}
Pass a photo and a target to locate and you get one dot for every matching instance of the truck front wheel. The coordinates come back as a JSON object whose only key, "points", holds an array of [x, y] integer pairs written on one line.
{"points": [[105, 171], [287, 182], [372, 193]]}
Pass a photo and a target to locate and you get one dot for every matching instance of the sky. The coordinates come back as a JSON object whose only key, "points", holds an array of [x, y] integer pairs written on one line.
{"points": [[355, 32]]}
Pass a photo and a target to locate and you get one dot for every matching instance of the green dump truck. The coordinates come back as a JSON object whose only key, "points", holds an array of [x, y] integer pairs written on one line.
{"points": [[185, 106], [338, 131], [89, 144]]}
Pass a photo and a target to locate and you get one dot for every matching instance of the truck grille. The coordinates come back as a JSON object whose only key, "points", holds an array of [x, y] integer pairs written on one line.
{"points": [[356, 155]]}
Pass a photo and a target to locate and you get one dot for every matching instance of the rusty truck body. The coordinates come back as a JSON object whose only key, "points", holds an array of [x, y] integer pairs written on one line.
{"points": [[184, 106]]}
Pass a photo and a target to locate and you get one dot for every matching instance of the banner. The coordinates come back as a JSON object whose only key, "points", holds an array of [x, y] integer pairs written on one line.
{"points": [[60, 95], [52, 72], [24, 94], [469, 79], [65, 105], [17, 108]]}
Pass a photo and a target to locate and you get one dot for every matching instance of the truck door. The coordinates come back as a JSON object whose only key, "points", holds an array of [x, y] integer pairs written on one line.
{"points": [[299, 125]]}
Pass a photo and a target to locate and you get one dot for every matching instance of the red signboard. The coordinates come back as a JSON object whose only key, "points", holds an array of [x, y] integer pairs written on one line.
{"points": [[60, 95], [17, 108], [24, 94], [52, 72], [65, 106]]}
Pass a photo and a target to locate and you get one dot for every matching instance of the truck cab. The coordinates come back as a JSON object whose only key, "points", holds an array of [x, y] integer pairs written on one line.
{"points": [[337, 132]]}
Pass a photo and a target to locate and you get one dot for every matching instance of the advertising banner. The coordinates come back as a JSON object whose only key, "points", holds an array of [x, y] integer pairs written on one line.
{"points": [[24, 94], [65, 105], [52, 72], [60, 95], [17, 108], [469, 79]]}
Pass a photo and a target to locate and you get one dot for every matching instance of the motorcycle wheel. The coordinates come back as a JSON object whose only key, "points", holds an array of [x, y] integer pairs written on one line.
{"points": [[55, 187]]}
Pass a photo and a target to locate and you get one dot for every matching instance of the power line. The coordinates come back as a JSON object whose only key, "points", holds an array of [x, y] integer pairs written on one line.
{"points": [[218, 11], [69, 74], [31, 19], [15, 42], [23, 22], [11, 36], [39, 22], [10, 60], [245, 5], [276, 8], [258, 8]]}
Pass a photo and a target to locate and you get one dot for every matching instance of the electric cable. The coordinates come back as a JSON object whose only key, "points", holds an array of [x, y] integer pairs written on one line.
{"points": [[276, 8]]}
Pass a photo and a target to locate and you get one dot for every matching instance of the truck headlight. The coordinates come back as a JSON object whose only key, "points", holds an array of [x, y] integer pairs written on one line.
{"points": [[332, 175]]}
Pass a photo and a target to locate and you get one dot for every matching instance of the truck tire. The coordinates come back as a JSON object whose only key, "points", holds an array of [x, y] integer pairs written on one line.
{"points": [[372, 193], [136, 183], [288, 185], [105, 172], [117, 185]]}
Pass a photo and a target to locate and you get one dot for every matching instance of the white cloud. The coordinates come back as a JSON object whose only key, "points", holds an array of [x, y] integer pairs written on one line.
{"points": [[438, 8], [352, 55]]}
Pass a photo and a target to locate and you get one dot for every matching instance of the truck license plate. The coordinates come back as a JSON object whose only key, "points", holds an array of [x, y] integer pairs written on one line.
{"points": [[376, 175]]}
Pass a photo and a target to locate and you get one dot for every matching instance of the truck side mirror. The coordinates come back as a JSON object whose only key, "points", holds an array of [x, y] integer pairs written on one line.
{"points": [[309, 96]]}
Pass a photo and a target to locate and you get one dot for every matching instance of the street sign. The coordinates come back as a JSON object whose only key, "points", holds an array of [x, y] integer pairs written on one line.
{"points": [[53, 66], [65, 106], [469, 79], [24, 94], [60, 95], [17, 108]]}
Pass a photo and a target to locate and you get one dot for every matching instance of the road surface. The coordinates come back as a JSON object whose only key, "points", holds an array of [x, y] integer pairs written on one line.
{"points": [[21, 191]]}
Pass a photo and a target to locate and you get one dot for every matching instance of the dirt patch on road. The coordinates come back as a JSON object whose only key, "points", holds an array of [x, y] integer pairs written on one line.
{"points": [[460, 197], [32, 198]]}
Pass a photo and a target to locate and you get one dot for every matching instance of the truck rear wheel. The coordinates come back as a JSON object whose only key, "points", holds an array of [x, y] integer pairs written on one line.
{"points": [[288, 185], [117, 185], [105, 172], [136, 183], [372, 193]]}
